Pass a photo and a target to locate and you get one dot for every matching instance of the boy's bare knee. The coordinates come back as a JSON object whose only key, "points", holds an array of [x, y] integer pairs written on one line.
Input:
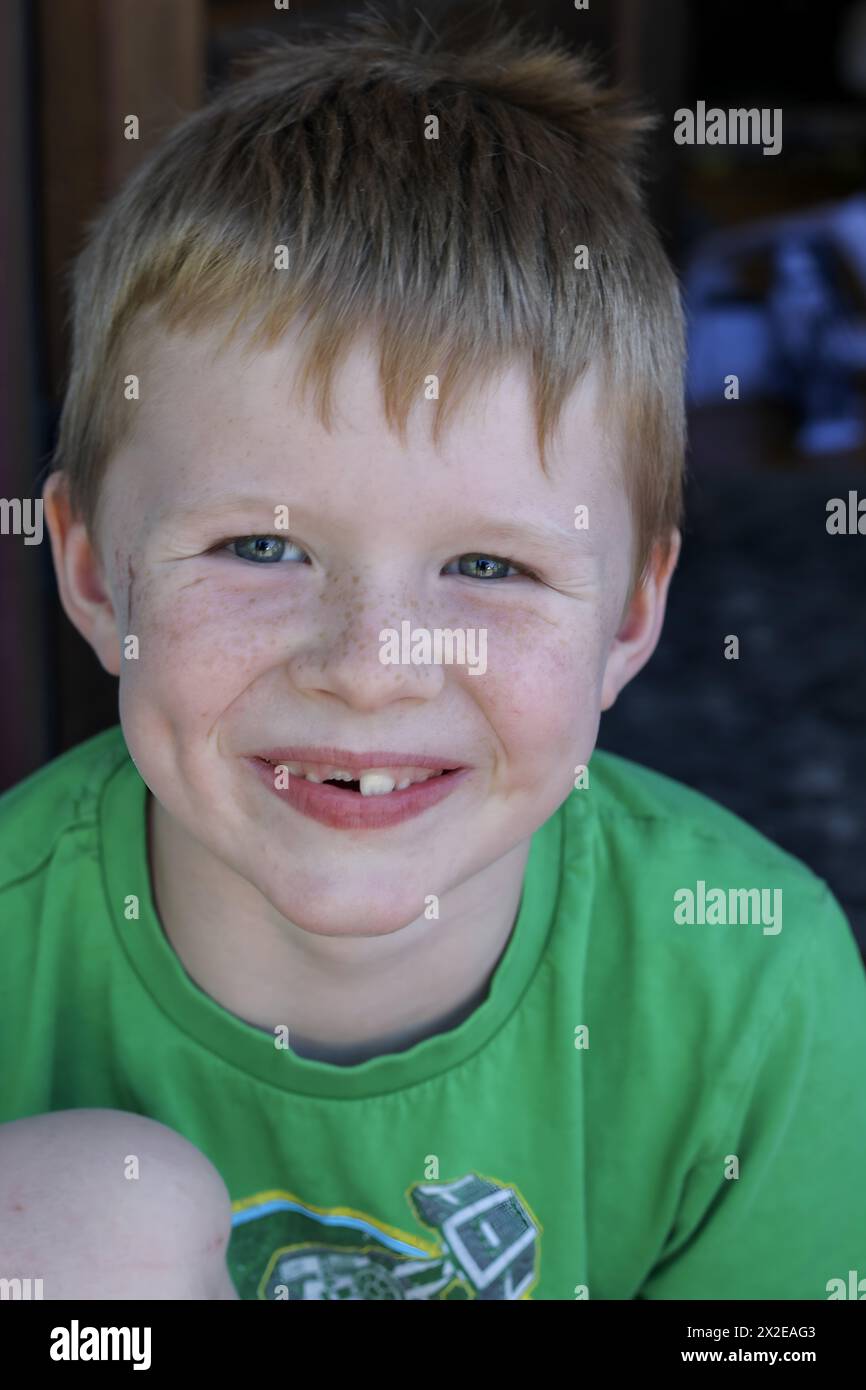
{"points": [[107, 1204]]}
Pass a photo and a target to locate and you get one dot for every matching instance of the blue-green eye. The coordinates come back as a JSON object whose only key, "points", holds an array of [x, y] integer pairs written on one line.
{"points": [[488, 567], [261, 549]]}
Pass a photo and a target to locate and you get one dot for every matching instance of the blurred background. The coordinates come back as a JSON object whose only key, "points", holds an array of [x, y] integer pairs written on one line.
{"points": [[771, 250]]}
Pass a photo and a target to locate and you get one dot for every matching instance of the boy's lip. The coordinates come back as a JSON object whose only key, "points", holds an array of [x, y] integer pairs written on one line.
{"points": [[356, 762], [341, 809]]}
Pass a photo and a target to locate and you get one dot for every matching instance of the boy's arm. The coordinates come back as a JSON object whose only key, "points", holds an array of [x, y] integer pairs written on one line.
{"points": [[795, 1218]]}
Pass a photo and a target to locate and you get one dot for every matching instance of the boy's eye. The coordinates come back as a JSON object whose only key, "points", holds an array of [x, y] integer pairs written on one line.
{"points": [[268, 550], [262, 549], [483, 567]]}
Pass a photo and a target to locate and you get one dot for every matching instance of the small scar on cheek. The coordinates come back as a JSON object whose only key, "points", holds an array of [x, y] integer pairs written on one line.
{"points": [[540, 617], [130, 574], [522, 619]]}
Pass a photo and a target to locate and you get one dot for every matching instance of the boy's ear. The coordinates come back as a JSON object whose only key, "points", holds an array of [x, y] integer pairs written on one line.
{"points": [[641, 623], [83, 592]]}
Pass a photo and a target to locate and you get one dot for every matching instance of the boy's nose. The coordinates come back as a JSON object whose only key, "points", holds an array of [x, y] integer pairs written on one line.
{"points": [[356, 663]]}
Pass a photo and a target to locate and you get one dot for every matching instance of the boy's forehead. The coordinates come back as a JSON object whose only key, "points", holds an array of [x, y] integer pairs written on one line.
{"points": [[234, 381], [208, 406]]}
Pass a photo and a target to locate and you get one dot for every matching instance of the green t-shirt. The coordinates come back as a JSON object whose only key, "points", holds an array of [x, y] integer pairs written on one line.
{"points": [[643, 1105]]}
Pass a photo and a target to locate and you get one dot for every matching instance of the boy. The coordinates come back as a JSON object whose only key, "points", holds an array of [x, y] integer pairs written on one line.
{"points": [[347, 927]]}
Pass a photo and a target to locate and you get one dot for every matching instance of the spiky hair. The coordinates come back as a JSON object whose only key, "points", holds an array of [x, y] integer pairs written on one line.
{"points": [[457, 252]]}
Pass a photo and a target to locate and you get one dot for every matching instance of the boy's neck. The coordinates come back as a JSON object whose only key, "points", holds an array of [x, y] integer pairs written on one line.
{"points": [[344, 999]]}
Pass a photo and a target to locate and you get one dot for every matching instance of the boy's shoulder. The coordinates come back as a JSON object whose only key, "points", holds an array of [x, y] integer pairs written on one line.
{"points": [[60, 799], [695, 916], [644, 809]]}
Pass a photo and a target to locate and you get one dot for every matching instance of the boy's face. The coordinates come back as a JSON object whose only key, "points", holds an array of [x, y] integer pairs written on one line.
{"points": [[239, 657]]}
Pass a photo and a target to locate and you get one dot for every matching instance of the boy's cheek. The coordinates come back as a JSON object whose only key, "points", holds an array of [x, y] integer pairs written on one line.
{"points": [[542, 667], [199, 648], [193, 635], [540, 700]]}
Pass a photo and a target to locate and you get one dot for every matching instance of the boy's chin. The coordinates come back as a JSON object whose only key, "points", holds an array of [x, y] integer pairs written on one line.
{"points": [[357, 913]]}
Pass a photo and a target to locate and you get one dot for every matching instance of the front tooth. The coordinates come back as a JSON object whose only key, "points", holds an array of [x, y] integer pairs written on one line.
{"points": [[376, 783]]}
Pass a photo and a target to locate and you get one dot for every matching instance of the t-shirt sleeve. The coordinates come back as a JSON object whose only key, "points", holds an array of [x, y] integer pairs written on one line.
{"points": [[794, 1118]]}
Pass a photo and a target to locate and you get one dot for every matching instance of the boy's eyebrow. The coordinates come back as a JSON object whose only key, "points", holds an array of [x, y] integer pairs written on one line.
{"points": [[553, 539], [215, 507]]}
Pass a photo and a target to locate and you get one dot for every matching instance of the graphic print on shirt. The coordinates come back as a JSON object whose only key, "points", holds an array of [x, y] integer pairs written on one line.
{"points": [[485, 1244]]}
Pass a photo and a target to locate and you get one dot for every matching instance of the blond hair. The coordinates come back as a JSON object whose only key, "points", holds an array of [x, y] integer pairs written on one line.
{"points": [[458, 251]]}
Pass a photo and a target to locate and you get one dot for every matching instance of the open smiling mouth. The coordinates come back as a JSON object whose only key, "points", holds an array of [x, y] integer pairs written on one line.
{"points": [[366, 795], [375, 782]]}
